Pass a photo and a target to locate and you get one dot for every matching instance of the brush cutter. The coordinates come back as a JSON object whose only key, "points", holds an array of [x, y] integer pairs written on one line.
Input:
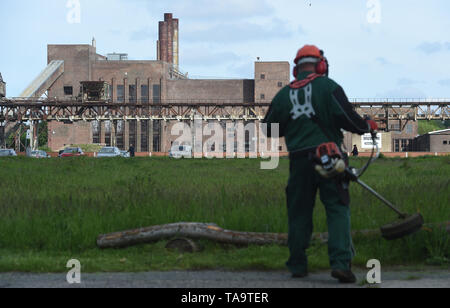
{"points": [[330, 163]]}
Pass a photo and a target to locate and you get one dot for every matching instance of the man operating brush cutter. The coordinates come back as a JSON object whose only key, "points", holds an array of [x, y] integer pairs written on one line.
{"points": [[311, 112]]}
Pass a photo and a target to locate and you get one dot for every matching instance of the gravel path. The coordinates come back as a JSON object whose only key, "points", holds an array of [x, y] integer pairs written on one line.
{"points": [[220, 279]]}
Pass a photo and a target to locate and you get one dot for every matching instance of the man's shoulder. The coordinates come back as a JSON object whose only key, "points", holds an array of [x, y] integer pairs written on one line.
{"points": [[325, 80]]}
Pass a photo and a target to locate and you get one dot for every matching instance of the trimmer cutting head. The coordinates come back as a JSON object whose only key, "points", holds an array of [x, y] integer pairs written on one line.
{"points": [[402, 228]]}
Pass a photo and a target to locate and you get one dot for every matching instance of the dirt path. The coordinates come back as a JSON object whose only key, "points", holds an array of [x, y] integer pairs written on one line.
{"points": [[219, 279]]}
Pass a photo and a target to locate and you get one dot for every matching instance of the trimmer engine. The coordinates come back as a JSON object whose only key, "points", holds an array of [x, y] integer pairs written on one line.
{"points": [[329, 160]]}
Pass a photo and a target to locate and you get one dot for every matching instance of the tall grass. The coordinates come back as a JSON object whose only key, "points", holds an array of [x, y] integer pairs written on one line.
{"points": [[64, 204]]}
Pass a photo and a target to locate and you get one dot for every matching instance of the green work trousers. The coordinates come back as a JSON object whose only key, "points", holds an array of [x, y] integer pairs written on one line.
{"points": [[301, 197]]}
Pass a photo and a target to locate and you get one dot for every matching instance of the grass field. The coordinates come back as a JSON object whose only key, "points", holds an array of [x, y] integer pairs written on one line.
{"points": [[53, 210], [426, 127]]}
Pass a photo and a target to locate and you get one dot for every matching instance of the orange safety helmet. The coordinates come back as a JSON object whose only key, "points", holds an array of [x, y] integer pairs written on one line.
{"points": [[312, 54], [308, 51]]}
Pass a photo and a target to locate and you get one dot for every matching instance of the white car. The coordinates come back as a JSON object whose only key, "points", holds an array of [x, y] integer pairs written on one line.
{"points": [[112, 152], [7, 152], [125, 154], [39, 154], [182, 151], [109, 152]]}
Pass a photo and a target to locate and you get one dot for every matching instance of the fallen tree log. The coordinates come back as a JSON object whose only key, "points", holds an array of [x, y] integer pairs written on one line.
{"points": [[211, 232], [188, 230]]}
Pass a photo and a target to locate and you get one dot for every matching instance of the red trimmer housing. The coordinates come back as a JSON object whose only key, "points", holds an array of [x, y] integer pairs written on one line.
{"points": [[329, 159]]}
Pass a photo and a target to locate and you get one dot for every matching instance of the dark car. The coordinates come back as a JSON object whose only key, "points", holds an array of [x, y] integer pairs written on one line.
{"points": [[72, 152], [39, 154]]}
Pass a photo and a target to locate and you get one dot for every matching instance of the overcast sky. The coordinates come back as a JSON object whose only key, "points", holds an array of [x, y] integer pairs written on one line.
{"points": [[395, 48]]}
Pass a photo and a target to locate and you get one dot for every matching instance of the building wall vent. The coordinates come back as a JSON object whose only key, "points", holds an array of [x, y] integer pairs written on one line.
{"points": [[117, 56]]}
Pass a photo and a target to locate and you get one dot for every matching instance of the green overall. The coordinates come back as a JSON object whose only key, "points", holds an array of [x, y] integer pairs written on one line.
{"points": [[293, 110]]}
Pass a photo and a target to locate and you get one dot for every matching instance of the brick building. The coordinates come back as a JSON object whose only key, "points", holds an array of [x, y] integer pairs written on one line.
{"points": [[155, 81], [160, 82], [437, 141]]}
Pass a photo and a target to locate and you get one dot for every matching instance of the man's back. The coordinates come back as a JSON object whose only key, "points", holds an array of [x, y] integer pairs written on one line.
{"points": [[304, 114]]}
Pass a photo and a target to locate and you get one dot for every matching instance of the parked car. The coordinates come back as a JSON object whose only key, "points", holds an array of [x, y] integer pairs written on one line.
{"points": [[109, 152], [125, 154], [182, 151], [7, 152], [39, 154], [72, 152]]}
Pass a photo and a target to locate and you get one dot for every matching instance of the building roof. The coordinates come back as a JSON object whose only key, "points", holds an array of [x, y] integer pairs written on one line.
{"points": [[440, 131]]}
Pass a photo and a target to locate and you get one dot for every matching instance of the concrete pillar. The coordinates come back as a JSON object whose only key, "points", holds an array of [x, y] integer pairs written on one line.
{"points": [[102, 131], [164, 136], [17, 139], [138, 136], [138, 90], [176, 50], [126, 90], [114, 91], [150, 136], [163, 41], [113, 134], [162, 90], [126, 135], [158, 51], [169, 22], [150, 90]]}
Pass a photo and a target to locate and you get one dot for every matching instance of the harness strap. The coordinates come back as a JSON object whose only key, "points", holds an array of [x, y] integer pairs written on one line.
{"points": [[297, 84]]}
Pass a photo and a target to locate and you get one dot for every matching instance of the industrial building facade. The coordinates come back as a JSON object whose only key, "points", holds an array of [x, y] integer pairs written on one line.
{"points": [[155, 82], [437, 141], [160, 82]]}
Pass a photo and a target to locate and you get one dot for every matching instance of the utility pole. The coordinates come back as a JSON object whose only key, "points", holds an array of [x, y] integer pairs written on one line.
{"points": [[34, 135], [17, 139]]}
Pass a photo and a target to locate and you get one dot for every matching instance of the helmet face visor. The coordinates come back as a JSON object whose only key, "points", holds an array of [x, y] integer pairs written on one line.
{"points": [[308, 60]]}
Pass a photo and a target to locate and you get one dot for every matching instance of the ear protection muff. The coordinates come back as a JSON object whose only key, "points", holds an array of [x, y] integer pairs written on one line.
{"points": [[322, 67], [295, 72]]}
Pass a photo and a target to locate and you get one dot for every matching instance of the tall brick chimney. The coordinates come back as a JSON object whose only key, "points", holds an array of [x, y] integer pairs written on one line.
{"points": [[168, 44]]}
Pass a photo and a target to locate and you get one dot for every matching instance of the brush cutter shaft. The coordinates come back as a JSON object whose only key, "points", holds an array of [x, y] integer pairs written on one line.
{"points": [[368, 188]]}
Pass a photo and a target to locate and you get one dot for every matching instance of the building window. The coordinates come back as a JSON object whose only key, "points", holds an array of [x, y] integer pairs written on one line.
{"points": [[403, 145], [280, 84], [395, 127], [144, 93], [108, 126], [157, 136], [263, 96], [144, 136], [120, 93], [156, 93], [96, 132], [68, 90], [263, 76], [409, 129], [396, 145], [445, 142], [133, 134], [120, 134], [132, 93]]}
